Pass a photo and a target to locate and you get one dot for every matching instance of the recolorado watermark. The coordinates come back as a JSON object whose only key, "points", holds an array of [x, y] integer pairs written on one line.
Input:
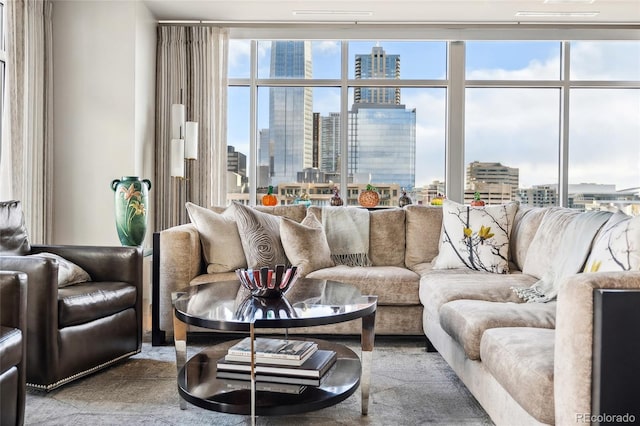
{"points": [[605, 418]]}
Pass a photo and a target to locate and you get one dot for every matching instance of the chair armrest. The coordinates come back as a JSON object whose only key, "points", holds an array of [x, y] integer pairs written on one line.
{"points": [[42, 298], [180, 262], [103, 263], [573, 358], [13, 300]]}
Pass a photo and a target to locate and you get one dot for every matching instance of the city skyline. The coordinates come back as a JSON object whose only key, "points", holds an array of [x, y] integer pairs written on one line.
{"points": [[516, 126]]}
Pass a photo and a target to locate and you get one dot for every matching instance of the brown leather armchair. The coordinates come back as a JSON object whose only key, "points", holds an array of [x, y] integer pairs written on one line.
{"points": [[13, 325], [78, 329]]}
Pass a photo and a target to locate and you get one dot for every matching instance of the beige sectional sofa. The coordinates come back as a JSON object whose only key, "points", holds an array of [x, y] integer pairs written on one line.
{"points": [[526, 363]]}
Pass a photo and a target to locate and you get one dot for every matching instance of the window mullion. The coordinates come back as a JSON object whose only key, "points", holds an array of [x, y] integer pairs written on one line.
{"points": [[563, 172], [454, 151], [344, 120], [253, 129]]}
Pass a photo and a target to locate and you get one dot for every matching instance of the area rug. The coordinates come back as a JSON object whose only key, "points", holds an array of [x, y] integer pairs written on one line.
{"points": [[409, 386]]}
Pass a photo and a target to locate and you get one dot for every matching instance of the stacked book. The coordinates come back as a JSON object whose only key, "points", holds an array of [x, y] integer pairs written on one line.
{"points": [[298, 363]]}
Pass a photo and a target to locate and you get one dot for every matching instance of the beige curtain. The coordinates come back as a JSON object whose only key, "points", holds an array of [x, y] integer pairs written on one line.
{"points": [[191, 59], [26, 149]]}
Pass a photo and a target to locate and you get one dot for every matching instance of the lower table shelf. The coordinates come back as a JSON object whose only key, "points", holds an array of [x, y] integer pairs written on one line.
{"points": [[198, 384]]}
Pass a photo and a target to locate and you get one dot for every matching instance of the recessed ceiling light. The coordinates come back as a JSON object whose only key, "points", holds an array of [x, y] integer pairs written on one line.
{"points": [[569, 1], [542, 14], [334, 12]]}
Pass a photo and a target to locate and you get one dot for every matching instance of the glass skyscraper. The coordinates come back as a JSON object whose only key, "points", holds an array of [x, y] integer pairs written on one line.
{"points": [[382, 132], [382, 143], [290, 112]]}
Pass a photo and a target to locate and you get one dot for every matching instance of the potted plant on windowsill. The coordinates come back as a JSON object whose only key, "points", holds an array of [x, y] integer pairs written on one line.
{"points": [[477, 202]]}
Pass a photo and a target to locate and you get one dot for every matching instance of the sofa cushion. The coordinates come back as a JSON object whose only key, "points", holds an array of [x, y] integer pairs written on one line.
{"points": [[387, 237], [475, 237], [13, 232], [295, 212], [86, 302], [525, 225], [305, 244], [422, 228], [393, 285], [260, 237], [221, 244], [68, 272], [467, 320], [438, 287], [214, 278], [521, 360], [617, 247]]}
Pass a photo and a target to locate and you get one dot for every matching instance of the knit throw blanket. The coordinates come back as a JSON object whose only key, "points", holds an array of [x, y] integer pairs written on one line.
{"points": [[573, 250], [347, 231]]}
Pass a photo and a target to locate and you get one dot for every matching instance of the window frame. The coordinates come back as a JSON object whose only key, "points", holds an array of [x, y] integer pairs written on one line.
{"points": [[455, 82]]}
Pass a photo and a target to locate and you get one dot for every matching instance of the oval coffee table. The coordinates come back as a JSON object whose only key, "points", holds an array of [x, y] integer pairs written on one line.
{"points": [[227, 306]]}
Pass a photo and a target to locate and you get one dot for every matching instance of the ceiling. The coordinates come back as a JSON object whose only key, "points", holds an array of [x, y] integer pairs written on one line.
{"points": [[399, 11]]}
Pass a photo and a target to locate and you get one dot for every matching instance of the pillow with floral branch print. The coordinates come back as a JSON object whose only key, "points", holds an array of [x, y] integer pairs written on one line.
{"points": [[475, 237], [617, 246]]}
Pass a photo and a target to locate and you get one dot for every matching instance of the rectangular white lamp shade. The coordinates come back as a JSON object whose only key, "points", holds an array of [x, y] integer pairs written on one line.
{"points": [[178, 114], [177, 157], [191, 140]]}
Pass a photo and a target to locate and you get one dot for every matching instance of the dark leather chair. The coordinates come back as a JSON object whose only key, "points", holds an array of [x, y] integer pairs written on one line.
{"points": [[79, 329], [13, 326]]}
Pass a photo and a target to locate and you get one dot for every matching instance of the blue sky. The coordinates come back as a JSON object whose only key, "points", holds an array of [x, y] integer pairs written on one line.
{"points": [[518, 127]]}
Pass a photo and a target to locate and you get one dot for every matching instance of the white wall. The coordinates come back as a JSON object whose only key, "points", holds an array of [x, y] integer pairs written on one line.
{"points": [[104, 92]]}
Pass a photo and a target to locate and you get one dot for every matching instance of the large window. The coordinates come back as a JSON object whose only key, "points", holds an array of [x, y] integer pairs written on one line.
{"points": [[541, 122]]}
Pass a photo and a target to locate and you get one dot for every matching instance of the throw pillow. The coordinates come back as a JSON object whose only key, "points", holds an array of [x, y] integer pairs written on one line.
{"points": [[13, 233], [260, 237], [68, 272], [305, 244], [475, 237], [569, 237], [617, 247], [220, 239]]}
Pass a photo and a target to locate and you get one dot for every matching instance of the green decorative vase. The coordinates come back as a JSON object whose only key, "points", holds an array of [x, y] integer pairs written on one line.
{"points": [[131, 198]]}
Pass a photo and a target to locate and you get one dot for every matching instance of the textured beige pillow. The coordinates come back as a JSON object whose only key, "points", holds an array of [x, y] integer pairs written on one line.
{"points": [[260, 237], [476, 237], [306, 244], [617, 247], [543, 250], [221, 245], [68, 272]]}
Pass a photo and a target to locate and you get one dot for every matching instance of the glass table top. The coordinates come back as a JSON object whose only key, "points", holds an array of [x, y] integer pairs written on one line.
{"points": [[227, 305]]}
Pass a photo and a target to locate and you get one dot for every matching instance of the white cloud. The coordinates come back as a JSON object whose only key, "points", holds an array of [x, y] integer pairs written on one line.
{"points": [[520, 127], [326, 48]]}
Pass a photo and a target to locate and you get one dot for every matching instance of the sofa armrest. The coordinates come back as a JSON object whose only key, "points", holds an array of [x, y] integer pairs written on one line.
{"points": [[573, 359], [180, 261]]}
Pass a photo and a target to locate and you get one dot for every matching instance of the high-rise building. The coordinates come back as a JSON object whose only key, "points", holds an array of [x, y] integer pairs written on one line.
{"points": [[485, 177], [382, 143], [330, 143], [382, 131], [290, 111], [236, 161], [480, 172], [378, 65]]}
